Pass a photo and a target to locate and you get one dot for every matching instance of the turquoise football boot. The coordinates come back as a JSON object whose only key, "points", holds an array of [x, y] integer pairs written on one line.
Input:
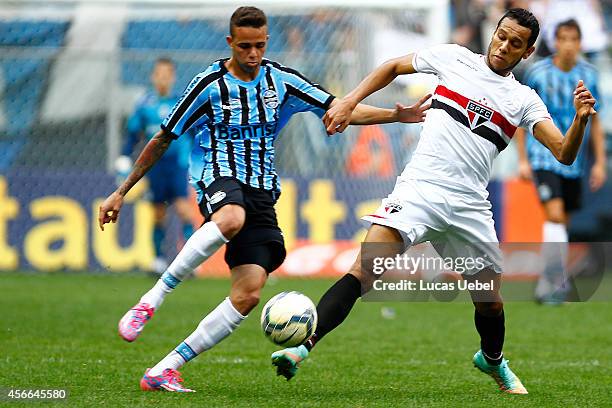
{"points": [[504, 377], [287, 361]]}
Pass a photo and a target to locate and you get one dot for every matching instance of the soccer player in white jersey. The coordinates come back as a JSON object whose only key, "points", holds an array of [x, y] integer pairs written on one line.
{"points": [[476, 108]]}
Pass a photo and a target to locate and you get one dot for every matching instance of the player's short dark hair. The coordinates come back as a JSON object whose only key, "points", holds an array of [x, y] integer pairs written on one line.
{"points": [[247, 16], [571, 23], [526, 19], [165, 60]]}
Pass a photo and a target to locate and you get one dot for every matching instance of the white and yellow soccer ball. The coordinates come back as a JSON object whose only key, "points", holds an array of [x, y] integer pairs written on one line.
{"points": [[289, 319]]}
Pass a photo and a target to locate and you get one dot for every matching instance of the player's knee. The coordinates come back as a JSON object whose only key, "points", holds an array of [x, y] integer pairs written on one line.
{"points": [[186, 218], [159, 213], [231, 227], [183, 210], [159, 218], [556, 217], [489, 309], [183, 214], [230, 220], [555, 211], [245, 301]]}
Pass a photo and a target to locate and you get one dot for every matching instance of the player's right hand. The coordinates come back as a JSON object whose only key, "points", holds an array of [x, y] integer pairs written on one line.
{"points": [[524, 170], [109, 210], [338, 116]]}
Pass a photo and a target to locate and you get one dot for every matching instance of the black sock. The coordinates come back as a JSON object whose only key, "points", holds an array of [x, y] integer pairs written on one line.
{"points": [[492, 331], [335, 306]]}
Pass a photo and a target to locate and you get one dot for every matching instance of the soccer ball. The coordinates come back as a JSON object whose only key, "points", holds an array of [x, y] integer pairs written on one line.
{"points": [[289, 319]]}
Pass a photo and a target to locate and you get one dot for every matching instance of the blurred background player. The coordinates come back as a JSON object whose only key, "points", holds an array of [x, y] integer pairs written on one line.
{"points": [[168, 178], [238, 106], [559, 186], [590, 18]]}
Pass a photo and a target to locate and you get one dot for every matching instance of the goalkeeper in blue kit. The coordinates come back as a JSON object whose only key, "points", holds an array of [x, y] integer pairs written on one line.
{"points": [[168, 179]]}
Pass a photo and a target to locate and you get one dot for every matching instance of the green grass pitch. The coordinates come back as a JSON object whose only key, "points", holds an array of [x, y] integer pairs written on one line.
{"points": [[59, 331]]}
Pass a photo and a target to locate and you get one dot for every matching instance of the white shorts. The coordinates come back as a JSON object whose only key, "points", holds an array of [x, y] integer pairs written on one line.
{"points": [[456, 223]]}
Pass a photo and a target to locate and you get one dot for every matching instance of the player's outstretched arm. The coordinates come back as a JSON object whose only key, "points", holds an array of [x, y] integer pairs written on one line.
{"points": [[338, 117], [155, 148], [370, 115], [565, 149]]}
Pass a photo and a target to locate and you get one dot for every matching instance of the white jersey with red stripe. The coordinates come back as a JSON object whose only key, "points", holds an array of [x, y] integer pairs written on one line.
{"points": [[473, 118]]}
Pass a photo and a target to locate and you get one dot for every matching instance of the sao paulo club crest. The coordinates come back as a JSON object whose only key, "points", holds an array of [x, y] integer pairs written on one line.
{"points": [[393, 207], [478, 114]]}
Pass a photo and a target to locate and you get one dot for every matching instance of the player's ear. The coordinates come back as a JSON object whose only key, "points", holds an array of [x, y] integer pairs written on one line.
{"points": [[529, 51], [229, 40]]}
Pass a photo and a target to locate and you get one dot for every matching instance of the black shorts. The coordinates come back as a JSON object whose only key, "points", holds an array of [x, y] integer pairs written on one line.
{"points": [[551, 185], [260, 241]]}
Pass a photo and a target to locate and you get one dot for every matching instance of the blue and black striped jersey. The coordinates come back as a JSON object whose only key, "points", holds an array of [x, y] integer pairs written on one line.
{"points": [[237, 122], [556, 88]]}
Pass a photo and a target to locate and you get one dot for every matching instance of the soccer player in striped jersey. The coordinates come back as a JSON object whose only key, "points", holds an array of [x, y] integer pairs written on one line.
{"points": [[237, 107], [559, 186], [441, 194], [168, 179]]}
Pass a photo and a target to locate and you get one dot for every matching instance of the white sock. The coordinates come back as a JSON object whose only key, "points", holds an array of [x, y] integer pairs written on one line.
{"points": [[155, 296], [199, 247], [216, 326], [554, 232], [554, 253]]}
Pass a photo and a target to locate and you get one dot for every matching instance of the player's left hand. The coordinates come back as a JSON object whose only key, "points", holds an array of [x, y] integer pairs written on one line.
{"points": [[415, 113], [584, 101], [598, 176]]}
